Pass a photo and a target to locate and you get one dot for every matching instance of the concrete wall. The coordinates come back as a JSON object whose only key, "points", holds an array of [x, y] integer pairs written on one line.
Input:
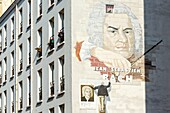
{"points": [[157, 25]]}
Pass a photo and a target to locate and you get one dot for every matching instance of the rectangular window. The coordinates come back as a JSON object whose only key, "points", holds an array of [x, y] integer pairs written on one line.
{"points": [[12, 29], [20, 95], [12, 64], [0, 41], [12, 99], [61, 26], [51, 2], [5, 69], [5, 35], [29, 51], [51, 110], [51, 33], [39, 7], [5, 101], [0, 73], [51, 78], [29, 91], [20, 57], [20, 21], [61, 108], [61, 74], [1, 101], [39, 43], [29, 12], [39, 85]]}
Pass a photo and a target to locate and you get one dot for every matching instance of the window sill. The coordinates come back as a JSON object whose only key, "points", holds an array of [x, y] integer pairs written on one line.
{"points": [[4, 83], [20, 35], [50, 98], [28, 107], [20, 72], [20, 110], [12, 77], [60, 94], [39, 103], [39, 17], [51, 51], [39, 59], [4, 49], [28, 66], [11, 42], [51, 6], [29, 26]]}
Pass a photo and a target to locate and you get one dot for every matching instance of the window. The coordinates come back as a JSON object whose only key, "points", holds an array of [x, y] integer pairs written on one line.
{"points": [[39, 43], [5, 101], [61, 26], [39, 7], [5, 69], [5, 35], [51, 78], [61, 74], [29, 12], [0, 74], [51, 33], [39, 85], [0, 102], [12, 99], [12, 63], [51, 110], [51, 2], [20, 20], [20, 57], [61, 108], [12, 29], [29, 51], [20, 91], [29, 91], [0, 41]]}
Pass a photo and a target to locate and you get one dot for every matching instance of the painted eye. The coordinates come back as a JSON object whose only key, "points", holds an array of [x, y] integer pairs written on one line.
{"points": [[128, 31], [111, 30]]}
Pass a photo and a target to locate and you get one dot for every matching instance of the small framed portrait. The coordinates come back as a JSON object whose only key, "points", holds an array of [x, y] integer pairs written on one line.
{"points": [[87, 93], [109, 8]]}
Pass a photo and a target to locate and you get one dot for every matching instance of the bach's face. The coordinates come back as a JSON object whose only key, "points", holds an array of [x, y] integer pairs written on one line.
{"points": [[118, 34], [87, 92]]}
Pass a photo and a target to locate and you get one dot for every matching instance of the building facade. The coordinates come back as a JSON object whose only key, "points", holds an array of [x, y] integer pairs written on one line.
{"points": [[84, 56], [33, 43]]}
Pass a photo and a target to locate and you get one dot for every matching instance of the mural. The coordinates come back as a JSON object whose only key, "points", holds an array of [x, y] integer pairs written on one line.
{"points": [[113, 51]]}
